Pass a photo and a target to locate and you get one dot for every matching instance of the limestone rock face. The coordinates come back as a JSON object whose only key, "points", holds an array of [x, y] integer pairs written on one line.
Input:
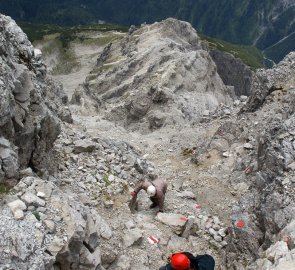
{"points": [[233, 72], [30, 103], [266, 82], [159, 75]]}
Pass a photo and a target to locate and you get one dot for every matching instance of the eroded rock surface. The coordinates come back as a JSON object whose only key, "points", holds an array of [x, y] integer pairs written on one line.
{"points": [[234, 201], [159, 75], [30, 104]]}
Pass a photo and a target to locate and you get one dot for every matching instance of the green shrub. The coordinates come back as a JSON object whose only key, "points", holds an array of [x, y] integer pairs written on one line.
{"points": [[4, 188], [37, 215]]}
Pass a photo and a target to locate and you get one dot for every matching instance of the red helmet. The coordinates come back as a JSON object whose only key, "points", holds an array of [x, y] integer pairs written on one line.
{"points": [[180, 262]]}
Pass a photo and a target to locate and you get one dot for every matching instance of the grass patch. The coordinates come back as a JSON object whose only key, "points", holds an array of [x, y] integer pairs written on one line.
{"points": [[57, 41], [106, 179], [98, 41], [67, 62], [91, 77], [4, 188], [67, 34], [250, 55], [37, 215]]}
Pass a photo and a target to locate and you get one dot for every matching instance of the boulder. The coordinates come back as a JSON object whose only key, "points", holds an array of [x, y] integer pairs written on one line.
{"points": [[132, 237], [81, 146], [175, 221]]}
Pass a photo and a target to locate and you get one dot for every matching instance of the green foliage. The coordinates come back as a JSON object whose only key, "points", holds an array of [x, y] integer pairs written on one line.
{"points": [[106, 179], [60, 39], [38, 31], [4, 188], [278, 51], [37, 215], [236, 21], [67, 34], [250, 55]]}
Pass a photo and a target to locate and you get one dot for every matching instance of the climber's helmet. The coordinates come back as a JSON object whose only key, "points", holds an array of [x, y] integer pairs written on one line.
{"points": [[179, 261], [151, 191]]}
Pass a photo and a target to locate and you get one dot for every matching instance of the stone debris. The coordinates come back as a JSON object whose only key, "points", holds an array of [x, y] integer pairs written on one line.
{"points": [[234, 201], [17, 208], [81, 146], [31, 199], [66, 222]]}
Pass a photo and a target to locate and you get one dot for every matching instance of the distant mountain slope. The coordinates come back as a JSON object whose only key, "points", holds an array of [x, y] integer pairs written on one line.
{"points": [[260, 22]]}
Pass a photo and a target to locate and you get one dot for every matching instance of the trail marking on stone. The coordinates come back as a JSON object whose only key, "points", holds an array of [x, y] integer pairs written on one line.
{"points": [[240, 224], [184, 218], [153, 240]]}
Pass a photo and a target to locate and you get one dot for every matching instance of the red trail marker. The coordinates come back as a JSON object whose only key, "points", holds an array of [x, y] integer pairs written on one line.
{"points": [[240, 224], [153, 240], [184, 218]]}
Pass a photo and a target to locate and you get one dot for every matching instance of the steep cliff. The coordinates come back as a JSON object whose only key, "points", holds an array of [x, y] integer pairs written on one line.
{"points": [[29, 106]]}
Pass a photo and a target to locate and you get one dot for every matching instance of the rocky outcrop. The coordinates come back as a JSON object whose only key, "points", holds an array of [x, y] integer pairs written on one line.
{"points": [[30, 104], [159, 75], [279, 78], [259, 148], [256, 155], [248, 158], [233, 72]]}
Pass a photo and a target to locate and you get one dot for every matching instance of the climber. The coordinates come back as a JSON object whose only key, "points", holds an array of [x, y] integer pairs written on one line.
{"points": [[156, 191], [187, 261]]}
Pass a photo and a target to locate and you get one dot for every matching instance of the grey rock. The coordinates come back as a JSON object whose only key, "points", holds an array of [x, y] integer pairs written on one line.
{"points": [[248, 146], [133, 237], [50, 225], [175, 221], [187, 195], [123, 263], [89, 260], [233, 72], [29, 103], [55, 246], [276, 251], [177, 243], [109, 203], [18, 214], [163, 85], [130, 224], [217, 238], [156, 120], [289, 233], [291, 166], [17, 204], [212, 232], [26, 172], [188, 227], [31, 199], [81, 146], [10, 164]]}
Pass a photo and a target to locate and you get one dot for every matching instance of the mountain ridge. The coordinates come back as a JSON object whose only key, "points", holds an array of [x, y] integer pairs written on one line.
{"points": [[231, 175], [262, 23]]}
